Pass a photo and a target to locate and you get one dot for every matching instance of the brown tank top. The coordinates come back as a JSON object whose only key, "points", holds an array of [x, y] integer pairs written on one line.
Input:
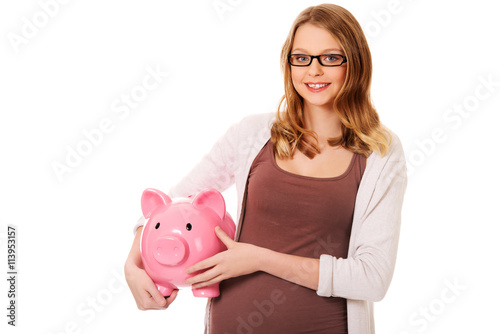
{"points": [[293, 214]]}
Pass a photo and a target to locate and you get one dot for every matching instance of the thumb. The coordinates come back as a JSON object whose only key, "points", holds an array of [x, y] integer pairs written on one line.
{"points": [[155, 293], [158, 297], [223, 236]]}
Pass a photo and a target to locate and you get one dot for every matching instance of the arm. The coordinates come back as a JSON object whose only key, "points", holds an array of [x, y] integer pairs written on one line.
{"points": [[367, 272], [300, 270], [243, 259], [146, 295]]}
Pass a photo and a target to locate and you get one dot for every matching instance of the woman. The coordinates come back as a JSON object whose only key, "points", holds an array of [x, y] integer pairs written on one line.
{"points": [[320, 188]]}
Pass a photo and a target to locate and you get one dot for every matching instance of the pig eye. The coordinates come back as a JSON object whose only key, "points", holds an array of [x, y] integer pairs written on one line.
{"points": [[189, 227], [157, 225]]}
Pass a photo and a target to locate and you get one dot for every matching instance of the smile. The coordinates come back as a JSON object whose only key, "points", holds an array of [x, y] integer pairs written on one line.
{"points": [[317, 86]]}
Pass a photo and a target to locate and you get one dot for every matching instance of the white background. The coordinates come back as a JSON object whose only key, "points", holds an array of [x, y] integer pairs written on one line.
{"points": [[74, 232]]}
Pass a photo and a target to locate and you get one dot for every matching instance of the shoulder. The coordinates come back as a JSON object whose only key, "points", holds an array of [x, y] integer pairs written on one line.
{"points": [[392, 164], [250, 131], [393, 161], [395, 151]]}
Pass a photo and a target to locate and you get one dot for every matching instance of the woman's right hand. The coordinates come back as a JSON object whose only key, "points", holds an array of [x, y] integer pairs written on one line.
{"points": [[146, 295]]}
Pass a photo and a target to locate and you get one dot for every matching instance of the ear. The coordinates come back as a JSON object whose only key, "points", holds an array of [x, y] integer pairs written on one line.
{"points": [[213, 199], [151, 199]]}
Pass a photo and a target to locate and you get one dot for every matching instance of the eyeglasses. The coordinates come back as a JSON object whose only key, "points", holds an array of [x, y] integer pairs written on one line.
{"points": [[324, 60]]}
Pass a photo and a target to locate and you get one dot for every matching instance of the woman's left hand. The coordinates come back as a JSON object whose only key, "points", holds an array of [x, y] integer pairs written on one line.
{"points": [[239, 259]]}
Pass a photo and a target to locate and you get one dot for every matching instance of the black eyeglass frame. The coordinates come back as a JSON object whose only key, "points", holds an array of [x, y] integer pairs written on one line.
{"points": [[344, 59]]}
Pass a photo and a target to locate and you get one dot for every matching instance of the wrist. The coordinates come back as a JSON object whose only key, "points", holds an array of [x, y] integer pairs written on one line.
{"points": [[263, 256], [134, 259]]}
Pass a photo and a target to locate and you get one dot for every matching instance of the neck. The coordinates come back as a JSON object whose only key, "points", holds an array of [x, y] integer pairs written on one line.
{"points": [[323, 121]]}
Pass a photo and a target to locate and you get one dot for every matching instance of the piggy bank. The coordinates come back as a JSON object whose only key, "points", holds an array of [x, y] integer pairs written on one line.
{"points": [[179, 233]]}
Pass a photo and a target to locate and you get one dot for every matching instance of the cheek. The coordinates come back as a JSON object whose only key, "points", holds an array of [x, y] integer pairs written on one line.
{"points": [[296, 79], [339, 76]]}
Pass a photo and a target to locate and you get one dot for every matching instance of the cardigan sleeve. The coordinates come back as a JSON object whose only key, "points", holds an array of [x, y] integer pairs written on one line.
{"points": [[367, 272], [228, 159]]}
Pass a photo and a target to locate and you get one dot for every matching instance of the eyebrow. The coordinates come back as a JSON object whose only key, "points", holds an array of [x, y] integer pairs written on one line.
{"points": [[327, 50]]}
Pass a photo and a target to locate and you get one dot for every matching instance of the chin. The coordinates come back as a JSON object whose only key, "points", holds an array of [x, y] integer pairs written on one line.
{"points": [[320, 103]]}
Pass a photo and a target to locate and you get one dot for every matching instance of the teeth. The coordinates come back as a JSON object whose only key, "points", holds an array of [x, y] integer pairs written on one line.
{"points": [[316, 86]]}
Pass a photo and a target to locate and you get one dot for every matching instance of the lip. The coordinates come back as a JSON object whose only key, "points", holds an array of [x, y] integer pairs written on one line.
{"points": [[317, 90]]}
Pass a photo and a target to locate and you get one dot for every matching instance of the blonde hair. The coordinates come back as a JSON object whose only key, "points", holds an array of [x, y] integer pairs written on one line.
{"points": [[362, 131]]}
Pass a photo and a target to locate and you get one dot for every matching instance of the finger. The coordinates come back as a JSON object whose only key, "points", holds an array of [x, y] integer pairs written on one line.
{"points": [[214, 280], [146, 301], [156, 296], [207, 275], [152, 304], [172, 297], [204, 264], [223, 236]]}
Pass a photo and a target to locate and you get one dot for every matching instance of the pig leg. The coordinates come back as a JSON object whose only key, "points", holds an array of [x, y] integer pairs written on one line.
{"points": [[166, 291], [207, 291]]}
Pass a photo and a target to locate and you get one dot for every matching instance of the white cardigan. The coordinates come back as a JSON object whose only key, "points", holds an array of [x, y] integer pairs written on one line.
{"points": [[364, 276]]}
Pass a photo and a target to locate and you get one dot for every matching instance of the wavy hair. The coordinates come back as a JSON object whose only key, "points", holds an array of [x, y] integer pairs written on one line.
{"points": [[362, 131]]}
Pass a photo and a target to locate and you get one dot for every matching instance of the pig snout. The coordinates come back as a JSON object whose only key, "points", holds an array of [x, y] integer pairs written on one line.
{"points": [[170, 250]]}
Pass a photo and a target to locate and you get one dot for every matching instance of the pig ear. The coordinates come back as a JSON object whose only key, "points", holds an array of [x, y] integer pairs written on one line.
{"points": [[151, 199], [213, 199]]}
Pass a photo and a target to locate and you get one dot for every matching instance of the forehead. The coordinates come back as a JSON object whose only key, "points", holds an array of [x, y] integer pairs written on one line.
{"points": [[313, 39]]}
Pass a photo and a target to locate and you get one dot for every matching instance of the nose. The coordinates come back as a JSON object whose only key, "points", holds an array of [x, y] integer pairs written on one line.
{"points": [[170, 250], [315, 68]]}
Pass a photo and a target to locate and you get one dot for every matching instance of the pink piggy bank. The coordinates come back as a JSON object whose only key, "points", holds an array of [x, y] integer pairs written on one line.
{"points": [[180, 233]]}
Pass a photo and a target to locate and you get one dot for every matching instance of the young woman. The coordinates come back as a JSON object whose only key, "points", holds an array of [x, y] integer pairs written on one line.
{"points": [[320, 186]]}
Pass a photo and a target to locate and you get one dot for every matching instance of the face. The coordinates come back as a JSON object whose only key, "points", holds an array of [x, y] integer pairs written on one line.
{"points": [[318, 85]]}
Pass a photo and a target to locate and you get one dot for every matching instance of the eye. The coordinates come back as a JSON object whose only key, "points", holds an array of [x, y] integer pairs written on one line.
{"points": [[189, 227], [331, 59], [302, 59], [157, 225], [299, 59]]}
